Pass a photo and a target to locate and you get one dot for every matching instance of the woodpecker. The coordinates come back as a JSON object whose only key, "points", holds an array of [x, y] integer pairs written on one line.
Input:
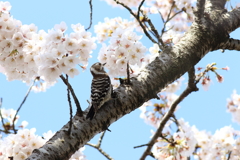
{"points": [[101, 88]]}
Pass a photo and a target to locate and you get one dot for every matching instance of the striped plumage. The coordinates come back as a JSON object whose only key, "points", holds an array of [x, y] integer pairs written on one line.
{"points": [[101, 88]]}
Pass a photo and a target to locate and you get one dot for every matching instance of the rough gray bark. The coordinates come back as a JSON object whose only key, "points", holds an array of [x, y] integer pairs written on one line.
{"points": [[210, 32]]}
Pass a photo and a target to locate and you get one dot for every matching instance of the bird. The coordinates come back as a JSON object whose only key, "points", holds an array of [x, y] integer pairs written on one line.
{"points": [[101, 88]]}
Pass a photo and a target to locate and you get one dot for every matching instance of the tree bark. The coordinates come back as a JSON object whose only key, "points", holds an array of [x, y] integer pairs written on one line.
{"points": [[208, 33]]}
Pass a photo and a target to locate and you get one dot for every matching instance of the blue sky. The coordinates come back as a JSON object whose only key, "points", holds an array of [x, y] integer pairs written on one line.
{"points": [[49, 110]]}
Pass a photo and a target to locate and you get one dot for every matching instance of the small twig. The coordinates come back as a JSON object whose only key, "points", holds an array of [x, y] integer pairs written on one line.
{"points": [[161, 16], [140, 146], [98, 146], [229, 155], [167, 116], [167, 140], [139, 8], [101, 138], [202, 74], [5, 131], [175, 15], [139, 21], [176, 121], [14, 118], [1, 112], [155, 32], [70, 108], [91, 10], [128, 74], [168, 19], [79, 110], [100, 150]]}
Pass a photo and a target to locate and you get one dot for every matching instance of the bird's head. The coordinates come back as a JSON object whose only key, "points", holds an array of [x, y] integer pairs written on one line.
{"points": [[98, 69]]}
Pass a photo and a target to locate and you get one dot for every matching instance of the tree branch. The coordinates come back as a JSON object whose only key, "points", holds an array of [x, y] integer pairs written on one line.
{"points": [[139, 9], [140, 146], [91, 10], [70, 108], [229, 155], [199, 13], [24, 99], [156, 33], [79, 110], [1, 112], [231, 44], [172, 63], [168, 18], [97, 146], [190, 88]]}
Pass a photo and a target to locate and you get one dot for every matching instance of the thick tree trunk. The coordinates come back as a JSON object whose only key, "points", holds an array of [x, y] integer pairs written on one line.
{"points": [[209, 32]]}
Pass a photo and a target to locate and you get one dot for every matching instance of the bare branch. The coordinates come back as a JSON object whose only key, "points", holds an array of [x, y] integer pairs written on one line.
{"points": [[161, 16], [91, 10], [200, 6], [167, 116], [101, 138], [176, 122], [97, 146], [231, 44], [1, 112], [128, 74], [70, 108], [139, 8], [140, 146], [229, 155], [155, 32], [79, 110], [168, 19], [24, 99]]}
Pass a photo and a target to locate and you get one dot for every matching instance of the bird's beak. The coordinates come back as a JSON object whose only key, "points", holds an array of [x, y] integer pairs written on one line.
{"points": [[104, 64]]}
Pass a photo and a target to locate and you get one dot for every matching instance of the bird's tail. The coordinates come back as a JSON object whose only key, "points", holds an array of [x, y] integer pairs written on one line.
{"points": [[91, 113]]}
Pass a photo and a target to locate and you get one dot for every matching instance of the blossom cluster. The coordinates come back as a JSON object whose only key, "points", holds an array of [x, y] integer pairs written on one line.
{"points": [[189, 141], [124, 48], [233, 106], [27, 53], [182, 144], [7, 119], [224, 143], [105, 29], [206, 81], [19, 146]]}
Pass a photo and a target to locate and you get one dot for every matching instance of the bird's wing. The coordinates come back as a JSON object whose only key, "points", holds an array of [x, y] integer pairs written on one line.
{"points": [[99, 90]]}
